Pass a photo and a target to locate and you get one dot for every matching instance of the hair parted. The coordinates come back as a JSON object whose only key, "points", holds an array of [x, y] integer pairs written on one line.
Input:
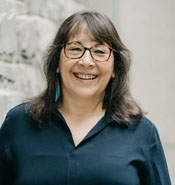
{"points": [[118, 100]]}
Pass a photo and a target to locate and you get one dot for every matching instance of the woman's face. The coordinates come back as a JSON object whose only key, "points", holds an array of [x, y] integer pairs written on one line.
{"points": [[84, 77]]}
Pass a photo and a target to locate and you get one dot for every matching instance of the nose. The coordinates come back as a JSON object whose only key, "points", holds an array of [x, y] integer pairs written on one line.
{"points": [[86, 59]]}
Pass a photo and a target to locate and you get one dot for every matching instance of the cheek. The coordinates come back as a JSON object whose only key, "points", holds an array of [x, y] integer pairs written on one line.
{"points": [[109, 69], [107, 73]]}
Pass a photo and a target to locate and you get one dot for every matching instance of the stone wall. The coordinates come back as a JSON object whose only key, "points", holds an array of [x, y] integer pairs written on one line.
{"points": [[26, 29]]}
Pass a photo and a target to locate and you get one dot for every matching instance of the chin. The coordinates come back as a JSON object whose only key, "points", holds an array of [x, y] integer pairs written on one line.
{"points": [[88, 94]]}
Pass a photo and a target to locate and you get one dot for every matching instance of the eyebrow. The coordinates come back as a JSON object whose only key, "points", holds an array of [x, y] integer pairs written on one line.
{"points": [[95, 44]]}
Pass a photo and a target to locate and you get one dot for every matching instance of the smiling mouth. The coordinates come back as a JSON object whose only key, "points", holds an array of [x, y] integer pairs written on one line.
{"points": [[85, 76]]}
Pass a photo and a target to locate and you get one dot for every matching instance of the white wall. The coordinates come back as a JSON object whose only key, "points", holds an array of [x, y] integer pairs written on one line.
{"points": [[147, 27]]}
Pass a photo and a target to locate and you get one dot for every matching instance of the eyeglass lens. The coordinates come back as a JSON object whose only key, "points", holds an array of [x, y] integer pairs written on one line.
{"points": [[76, 50]]}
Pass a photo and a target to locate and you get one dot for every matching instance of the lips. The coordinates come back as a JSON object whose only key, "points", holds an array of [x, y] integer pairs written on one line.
{"points": [[85, 76]]}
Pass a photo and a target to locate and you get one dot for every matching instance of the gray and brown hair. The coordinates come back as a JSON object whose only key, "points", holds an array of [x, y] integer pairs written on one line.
{"points": [[118, 100]]}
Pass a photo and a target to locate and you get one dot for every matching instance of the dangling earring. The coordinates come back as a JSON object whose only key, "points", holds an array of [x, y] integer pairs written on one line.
{"points": [[57, 86]]}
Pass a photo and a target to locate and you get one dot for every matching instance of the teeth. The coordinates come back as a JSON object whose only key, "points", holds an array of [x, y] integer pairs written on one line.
{"points": [[85, 77]]}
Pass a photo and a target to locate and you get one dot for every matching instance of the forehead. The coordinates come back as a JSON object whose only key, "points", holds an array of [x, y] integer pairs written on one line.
{"points": [[82, 38], [83, 35]]}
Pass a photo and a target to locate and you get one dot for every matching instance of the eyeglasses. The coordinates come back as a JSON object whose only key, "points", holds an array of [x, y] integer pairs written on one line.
{"points": [[98, 52]]}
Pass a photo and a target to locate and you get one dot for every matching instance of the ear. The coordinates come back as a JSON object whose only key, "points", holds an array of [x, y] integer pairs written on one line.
{"points": [[113, 74], [57, 70]]}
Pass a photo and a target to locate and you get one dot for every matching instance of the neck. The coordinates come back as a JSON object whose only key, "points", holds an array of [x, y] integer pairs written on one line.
{"points": [[82, 106]]}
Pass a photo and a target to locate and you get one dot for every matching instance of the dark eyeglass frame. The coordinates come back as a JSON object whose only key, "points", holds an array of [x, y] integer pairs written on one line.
{"points": [[89, 49]]}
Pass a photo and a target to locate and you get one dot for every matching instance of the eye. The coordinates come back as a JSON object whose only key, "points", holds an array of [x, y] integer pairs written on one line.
{"points": [[99, 51], [76, 49]]}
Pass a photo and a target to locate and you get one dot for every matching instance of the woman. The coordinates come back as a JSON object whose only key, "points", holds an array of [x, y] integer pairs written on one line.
{"points": [[85, 128]]}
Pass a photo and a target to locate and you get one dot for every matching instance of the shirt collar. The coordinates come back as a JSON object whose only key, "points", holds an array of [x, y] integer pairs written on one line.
{"points": [[118, 121], [108, 118]]}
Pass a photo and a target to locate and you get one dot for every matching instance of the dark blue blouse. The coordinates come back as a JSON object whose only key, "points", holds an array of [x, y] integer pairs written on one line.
{"points": [[110, 154]]}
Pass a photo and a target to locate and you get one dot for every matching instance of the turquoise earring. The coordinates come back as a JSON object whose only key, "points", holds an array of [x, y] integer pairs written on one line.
{"points": [[57, 86]]}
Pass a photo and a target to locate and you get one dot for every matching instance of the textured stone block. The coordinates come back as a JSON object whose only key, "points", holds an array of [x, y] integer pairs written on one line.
{"points": [[18, 82], [24, 38], [7, 101], [56, 10], [21, 78]]}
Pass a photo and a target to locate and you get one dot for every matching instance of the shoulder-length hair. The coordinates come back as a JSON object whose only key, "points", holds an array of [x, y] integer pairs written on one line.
{"points": [[117, 100]]}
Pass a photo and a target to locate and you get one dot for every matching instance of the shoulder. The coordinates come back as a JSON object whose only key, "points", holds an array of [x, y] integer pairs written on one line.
{"points": [[16, 116], [17, 110], [144, 131], [145, 124], [17, 125]]}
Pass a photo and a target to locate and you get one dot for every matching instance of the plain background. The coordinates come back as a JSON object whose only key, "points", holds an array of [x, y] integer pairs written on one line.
{"points": [[147, 28]]}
